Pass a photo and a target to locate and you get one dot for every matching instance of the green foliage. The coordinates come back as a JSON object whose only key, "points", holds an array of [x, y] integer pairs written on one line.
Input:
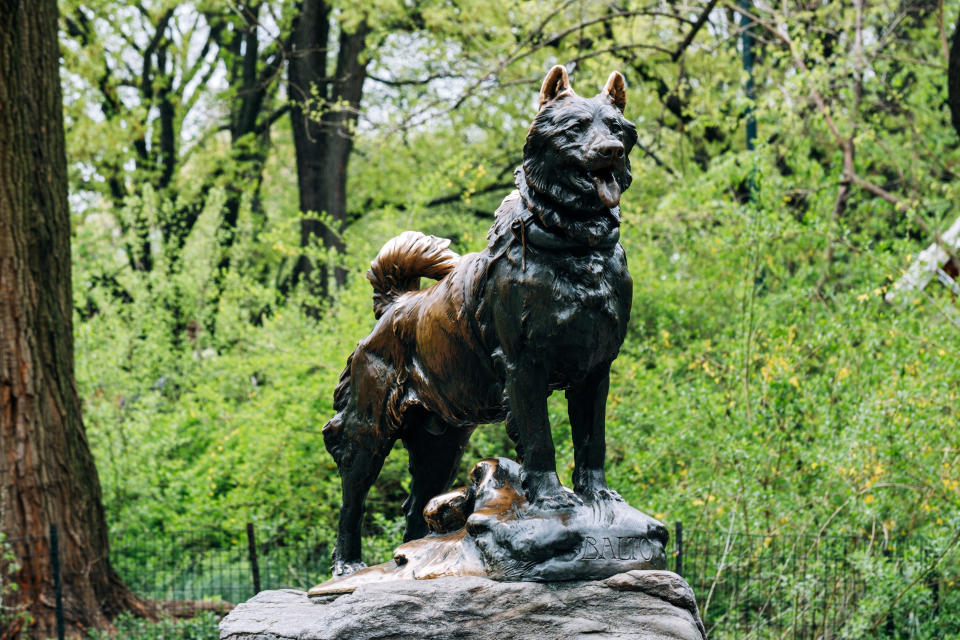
{"points": [[201, 627], [901, 599], [764, 385], [9, 615], [782, 408]]}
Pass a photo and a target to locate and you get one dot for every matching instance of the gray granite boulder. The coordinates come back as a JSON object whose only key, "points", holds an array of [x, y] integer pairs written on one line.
{"points": [[639, 605]]}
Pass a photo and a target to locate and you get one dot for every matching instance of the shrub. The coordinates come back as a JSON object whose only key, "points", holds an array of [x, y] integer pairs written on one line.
{"points": [[201, 627]]}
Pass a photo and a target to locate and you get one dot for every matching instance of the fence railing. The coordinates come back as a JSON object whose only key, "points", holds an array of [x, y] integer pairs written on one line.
{"points": [[747, 585], [804, 587], [197, 565]]}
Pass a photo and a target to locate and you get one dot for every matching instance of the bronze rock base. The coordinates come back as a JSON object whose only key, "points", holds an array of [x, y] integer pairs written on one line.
{"points": [[489, 530]]}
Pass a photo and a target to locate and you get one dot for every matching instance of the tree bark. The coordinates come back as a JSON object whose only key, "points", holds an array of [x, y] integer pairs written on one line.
{"points": [[953, 78], [47, 474], [307, 73], [339, 122], [323, 114]]}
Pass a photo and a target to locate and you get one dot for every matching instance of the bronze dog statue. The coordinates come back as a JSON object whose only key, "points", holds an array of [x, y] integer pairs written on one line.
{"points": [[544, 307]]}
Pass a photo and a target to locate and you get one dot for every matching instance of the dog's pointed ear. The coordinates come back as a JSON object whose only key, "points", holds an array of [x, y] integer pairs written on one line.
{"points": [[555, 85], [616, 90]]}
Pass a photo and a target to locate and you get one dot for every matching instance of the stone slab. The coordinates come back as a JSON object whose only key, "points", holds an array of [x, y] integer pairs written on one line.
{"points": [[639, 605]]}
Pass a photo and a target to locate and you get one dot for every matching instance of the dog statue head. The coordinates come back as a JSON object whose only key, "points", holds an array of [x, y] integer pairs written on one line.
{"points": [[576, 154]]}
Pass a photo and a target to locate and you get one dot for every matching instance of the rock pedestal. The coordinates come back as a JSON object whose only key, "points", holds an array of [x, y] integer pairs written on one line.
{"points": [[636, 605], [493, 567]]}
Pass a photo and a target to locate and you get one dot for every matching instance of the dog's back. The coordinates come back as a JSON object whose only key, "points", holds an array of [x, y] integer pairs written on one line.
{"points": [[424, 350]]}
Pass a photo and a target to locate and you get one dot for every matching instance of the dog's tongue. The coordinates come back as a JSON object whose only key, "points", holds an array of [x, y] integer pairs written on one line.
{"points": [[607, 188]]}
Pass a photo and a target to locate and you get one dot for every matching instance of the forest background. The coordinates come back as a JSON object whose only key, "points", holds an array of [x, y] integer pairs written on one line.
{"points": [[234, 167]]}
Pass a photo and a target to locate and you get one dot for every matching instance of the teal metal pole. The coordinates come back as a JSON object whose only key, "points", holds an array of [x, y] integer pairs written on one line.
{"points": [[746, 39]]}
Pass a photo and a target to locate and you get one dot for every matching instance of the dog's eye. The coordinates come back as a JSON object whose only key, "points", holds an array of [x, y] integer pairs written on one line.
{"points": [[578, 126], [575, 129], [613, 124]]}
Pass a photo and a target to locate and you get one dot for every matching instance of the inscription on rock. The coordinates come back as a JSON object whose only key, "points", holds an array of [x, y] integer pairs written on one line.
{"points": [[616, 548]]}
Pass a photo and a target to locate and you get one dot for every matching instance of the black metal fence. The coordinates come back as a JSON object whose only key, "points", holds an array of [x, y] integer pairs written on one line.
{"points": [[195, 565], [807, 587], [184, 572], [747, 585]]}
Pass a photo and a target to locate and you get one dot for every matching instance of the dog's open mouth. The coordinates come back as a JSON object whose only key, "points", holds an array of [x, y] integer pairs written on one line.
{"points": [[607, 186]]}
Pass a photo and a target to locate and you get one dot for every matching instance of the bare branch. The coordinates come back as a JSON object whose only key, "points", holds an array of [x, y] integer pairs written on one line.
{"points": [[411, 81], [554, 39], [701, 20], [191, 73], [621, 47], [660, 163], [273, 117], [453, 197], [880, 192]]}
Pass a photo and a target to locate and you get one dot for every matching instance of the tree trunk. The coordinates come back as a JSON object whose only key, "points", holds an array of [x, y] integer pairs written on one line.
{"points": [[324, 114], [47, 473], [953, 78], [308, 91], [339, 123]]}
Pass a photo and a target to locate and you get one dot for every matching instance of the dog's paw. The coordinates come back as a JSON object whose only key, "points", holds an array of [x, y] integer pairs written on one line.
{"points": [[601, 494], [561, 499], [544, 491], [343, 568], [591, 485]]}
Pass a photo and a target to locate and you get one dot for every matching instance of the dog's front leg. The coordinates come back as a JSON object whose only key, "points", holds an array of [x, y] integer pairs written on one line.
{"points": [[527, 399], [586, 406]]}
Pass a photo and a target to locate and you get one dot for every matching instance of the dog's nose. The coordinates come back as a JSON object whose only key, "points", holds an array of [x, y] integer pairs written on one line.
{"points": [[611, 149]]}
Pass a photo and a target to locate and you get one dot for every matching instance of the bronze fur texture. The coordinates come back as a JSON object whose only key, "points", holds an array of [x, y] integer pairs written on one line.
{"points": [[543, 307]]}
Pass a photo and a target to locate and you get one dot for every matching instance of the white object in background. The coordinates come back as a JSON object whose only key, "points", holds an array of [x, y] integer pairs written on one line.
{"points": [[928, 264]]}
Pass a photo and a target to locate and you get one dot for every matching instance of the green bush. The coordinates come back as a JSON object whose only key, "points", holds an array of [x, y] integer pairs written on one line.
{"points": [[741, 399], [201, 627], [8, 570], [764, 386]]}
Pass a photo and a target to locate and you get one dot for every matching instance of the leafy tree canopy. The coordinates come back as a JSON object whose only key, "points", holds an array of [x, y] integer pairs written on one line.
{"points": [[764, 386]]}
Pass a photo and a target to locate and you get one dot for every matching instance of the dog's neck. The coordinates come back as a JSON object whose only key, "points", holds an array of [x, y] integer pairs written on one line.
{"points": [[598, 229]]}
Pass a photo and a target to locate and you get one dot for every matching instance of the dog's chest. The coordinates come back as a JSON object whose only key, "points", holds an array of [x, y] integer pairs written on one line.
{"points": [[569, 309], [584, 289]]}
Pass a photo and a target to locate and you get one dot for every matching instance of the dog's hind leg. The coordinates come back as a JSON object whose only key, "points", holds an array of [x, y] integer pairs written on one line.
{"points": [[359, 466], [586, 406], [435, 449]]}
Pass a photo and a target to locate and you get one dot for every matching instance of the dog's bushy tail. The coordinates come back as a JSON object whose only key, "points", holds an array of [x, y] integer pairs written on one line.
{"points": [[403, 261]]}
